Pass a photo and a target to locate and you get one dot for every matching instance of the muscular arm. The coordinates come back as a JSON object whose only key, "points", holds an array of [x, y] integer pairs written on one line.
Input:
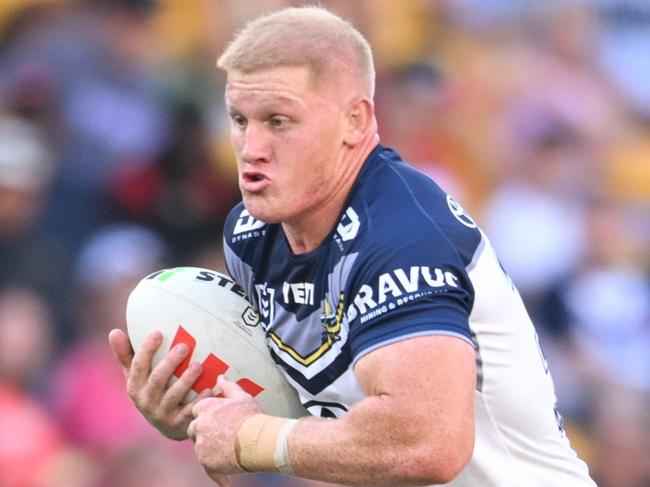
{"points": [[415, 427]]}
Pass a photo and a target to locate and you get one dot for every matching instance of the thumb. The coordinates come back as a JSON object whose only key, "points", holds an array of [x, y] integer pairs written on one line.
{"points": [[122, 349], [221, 480], [230, 389]]}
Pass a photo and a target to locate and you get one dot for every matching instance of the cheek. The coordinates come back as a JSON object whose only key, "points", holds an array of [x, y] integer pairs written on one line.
{"points": [[310, 180]]}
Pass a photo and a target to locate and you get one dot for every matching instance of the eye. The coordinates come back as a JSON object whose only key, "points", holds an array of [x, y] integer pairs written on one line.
{"points": [[278, 121], [238, 120]]}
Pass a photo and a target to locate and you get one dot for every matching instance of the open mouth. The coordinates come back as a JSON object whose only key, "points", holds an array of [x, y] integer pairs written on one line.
{"points": [[254, 181]]}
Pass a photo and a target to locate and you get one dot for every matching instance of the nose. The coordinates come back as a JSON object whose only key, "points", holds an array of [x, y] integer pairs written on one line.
{"points": [[255, 144]]}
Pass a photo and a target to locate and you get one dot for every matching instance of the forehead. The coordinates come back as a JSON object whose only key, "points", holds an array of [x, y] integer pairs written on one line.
{"points": [[286, 85]]}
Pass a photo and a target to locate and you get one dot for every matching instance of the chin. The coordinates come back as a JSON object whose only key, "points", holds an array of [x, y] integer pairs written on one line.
{"points": [[261, 211]]}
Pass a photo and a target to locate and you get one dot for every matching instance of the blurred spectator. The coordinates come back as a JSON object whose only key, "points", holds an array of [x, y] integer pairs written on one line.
{"points": [[413, 104], [26, 337], [33, 452], [535, 224], [627, 171], [623, 50], [31, 438], [182, 193], [608, 300], [25, 171]]}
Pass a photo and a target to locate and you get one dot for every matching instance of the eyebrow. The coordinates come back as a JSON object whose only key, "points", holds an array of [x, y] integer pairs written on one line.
{"points": [[269, 102]]}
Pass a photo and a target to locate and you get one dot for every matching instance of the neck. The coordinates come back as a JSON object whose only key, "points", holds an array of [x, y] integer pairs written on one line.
{"points": [[307, 232]]}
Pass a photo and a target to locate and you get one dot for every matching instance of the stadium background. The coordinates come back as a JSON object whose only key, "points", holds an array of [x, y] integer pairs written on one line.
{"points": [[114, 161]]}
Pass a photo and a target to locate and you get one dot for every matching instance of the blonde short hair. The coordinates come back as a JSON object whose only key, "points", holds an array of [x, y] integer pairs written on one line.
{"points": [[302, 36]]}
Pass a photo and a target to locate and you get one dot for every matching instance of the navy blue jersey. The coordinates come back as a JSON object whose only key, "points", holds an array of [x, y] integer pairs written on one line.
{"points": [[404, 260], [396, 259]]}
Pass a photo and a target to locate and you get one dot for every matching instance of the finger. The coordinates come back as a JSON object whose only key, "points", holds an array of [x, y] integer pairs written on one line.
{"points": [[179, 389], [187, 409], [161, 373], [201, 404], [231, 390], [191, 431], [122, 349], [141, 363]]}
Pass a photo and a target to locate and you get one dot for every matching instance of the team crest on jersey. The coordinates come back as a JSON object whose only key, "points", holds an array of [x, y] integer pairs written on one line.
{"points": [[266, 303], [459, 213], [331, 319]]}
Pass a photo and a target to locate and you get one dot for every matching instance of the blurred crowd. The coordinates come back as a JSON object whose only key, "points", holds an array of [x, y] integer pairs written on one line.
{"points": [[115, 162]]}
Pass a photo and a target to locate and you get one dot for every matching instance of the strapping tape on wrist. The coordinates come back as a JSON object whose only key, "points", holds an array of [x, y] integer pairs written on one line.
{"points": [[261, 444]]}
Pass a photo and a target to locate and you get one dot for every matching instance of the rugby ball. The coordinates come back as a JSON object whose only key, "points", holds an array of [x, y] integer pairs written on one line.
{"points": [[209, 312]]}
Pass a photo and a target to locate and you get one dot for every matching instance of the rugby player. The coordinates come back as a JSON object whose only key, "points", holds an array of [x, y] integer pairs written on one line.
{"points": [[383, 301]]}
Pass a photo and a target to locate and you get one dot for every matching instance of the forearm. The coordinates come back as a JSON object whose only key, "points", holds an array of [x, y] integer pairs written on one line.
{"points": [[379, 442], [354, 449]]}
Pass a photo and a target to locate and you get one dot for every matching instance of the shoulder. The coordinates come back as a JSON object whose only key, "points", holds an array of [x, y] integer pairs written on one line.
{"points": [[400, 206], [413, 245]]}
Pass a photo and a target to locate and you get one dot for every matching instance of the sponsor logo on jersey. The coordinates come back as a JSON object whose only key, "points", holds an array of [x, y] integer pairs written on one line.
{"points": [[348, 227], [397, 287], [459, 213], [247, 226], [265, 299], [299, 293]]}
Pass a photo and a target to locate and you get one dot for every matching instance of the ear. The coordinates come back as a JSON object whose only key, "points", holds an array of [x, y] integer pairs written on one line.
{"points": [[359, 120]]}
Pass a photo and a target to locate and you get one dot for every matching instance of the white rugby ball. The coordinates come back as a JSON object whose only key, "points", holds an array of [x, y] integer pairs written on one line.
{"points": [[209, 312]]}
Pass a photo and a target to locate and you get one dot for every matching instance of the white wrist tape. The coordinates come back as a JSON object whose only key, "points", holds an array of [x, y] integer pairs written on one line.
{"points": [[281, 454]]}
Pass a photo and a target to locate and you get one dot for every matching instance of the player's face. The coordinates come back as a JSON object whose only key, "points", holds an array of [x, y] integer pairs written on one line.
{"points": [[287, 139]]}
